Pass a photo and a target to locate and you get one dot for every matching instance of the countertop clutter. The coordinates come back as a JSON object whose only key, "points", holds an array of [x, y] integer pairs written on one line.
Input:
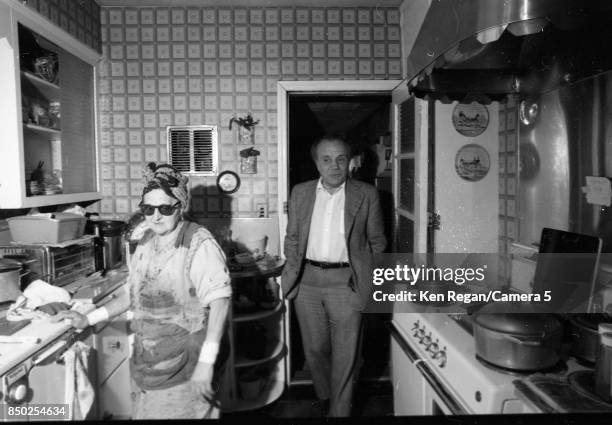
{"points": [[42, 333]]}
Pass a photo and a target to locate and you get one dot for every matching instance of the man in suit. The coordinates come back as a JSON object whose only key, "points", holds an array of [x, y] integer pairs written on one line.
{"points": [[335, 226]]}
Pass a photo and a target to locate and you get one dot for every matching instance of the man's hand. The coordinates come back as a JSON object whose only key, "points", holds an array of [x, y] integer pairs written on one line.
{"points": [[76, 319], [202, 379]]}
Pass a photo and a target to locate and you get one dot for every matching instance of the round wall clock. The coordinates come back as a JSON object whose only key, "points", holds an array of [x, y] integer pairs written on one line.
{"points": [[228, 182]]}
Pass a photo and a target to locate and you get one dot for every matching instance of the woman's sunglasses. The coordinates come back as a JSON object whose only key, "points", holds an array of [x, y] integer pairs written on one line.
{"points": [[164, 209]]}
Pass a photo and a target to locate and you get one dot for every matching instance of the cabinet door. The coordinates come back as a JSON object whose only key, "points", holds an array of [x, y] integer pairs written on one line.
{"points": [[112, 346], [408, 384], [115, 394]]}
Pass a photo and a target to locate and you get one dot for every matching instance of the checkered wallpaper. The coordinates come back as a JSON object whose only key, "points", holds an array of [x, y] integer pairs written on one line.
{"points": [[176, 66], [81, 19], [508, 181]]}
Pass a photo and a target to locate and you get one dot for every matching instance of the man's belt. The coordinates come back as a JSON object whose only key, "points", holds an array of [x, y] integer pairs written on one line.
{"points": [[326, 265]]}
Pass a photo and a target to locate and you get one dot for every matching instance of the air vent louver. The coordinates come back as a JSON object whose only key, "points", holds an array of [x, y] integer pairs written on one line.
{"points": [[193, 149]]}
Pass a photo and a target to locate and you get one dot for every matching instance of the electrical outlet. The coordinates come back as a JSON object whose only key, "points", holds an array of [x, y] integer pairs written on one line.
{"points": [[262, 210]]}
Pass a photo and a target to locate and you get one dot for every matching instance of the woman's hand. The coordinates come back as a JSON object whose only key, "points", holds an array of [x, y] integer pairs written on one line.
{"points": [[76, 319], [202, 379]]}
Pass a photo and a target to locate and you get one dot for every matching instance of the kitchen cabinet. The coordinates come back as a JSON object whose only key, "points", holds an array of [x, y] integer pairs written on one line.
{"points": [[256, 372], [111, 341], [47, 112]]}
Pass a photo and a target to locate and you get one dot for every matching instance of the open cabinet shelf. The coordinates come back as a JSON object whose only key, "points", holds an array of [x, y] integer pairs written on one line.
{"points": [[47, 112], [256, 374]]}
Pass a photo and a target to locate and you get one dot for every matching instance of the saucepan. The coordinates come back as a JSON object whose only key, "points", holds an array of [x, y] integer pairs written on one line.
{"points": [[10, 279], [519, 338]]}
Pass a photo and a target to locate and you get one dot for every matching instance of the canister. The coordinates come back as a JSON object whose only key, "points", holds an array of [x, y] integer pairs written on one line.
{"points": [[603, 363]]}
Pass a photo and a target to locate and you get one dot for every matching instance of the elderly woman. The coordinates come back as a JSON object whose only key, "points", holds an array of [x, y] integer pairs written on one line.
{"points": [[179, 294]]}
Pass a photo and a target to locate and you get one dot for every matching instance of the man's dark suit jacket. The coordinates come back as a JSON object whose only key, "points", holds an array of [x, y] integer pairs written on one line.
{"points": [[363, 230]]}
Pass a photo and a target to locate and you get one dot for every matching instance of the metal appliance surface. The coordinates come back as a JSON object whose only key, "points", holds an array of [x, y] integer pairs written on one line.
{"points": [[568, 141], [55, 265], [489, 49]]}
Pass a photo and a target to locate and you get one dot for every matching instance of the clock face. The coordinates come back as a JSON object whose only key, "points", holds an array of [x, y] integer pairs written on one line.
{"points": [[228, 182]]}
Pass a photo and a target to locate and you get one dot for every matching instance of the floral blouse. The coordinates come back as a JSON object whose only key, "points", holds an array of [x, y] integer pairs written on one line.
{"points": [[171, 288]]}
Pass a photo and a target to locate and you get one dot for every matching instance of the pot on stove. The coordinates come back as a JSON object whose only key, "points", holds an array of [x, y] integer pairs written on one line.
{"points": [[10, 279], [519, 339], [584, 335]]}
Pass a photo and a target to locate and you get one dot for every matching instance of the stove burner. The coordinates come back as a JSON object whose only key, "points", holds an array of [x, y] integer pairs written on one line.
{"points": [[583, 381], [558, 368]]}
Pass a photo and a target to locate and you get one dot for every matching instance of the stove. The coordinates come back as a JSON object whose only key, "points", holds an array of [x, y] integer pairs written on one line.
{"points": [[441, 347], [445, 344]]}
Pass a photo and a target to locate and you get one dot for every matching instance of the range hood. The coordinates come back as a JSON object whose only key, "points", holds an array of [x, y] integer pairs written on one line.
{"points": [[483, 50]]}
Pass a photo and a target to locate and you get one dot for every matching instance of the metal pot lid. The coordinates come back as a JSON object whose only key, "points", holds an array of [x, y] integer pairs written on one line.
{"points": [[517, 319], [6, 264], [592, 320]]}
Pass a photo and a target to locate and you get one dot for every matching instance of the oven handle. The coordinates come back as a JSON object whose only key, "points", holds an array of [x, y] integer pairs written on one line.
{"points": [[449, 401], [56, 350]]}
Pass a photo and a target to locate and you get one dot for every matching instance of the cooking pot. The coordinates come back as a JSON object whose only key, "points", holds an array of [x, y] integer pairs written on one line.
{"points": [[519, 339], [109, 247], [10, 279], [584, 335]]}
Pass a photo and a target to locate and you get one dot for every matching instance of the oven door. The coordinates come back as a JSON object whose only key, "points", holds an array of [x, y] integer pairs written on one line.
{"points": [[417, 389], [42, 379]]}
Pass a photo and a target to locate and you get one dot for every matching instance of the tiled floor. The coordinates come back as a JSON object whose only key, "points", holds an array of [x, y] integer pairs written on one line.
{"points": [[372, 399]]}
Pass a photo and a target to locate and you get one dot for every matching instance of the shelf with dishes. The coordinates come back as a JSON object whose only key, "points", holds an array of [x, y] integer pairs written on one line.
{"points": [[50, 113]]}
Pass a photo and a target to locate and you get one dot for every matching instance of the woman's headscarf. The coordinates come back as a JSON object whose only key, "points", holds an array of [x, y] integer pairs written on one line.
{"points": [[168, 179]]}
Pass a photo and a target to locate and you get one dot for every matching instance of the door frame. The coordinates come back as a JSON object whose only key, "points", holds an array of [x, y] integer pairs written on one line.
{"points": [[284, 89]]}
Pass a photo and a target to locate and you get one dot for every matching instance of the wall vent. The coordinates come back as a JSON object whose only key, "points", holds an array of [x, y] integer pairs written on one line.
{"points": [[193, 149]]}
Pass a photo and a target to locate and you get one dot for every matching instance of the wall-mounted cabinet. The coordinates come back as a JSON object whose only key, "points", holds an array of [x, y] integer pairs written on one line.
{"points": [[47, 113]]}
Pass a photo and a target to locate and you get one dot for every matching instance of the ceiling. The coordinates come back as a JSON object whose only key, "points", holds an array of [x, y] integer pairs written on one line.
{"points": [[341, 116], [251, 3]]}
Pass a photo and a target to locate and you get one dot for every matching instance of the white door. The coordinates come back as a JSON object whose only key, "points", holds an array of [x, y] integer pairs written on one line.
{"points": [[409, 171], [467, 206]]}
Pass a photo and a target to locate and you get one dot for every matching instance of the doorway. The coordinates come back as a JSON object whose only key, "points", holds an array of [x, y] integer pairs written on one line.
{"points": [[361, 111]]}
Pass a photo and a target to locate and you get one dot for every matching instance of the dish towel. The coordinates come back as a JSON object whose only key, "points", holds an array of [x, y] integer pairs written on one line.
{"points": [[80, 393], [36, 294]]}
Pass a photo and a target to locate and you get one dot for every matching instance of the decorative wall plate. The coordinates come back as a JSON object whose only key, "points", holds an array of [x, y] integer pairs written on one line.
{"points": [[470, 120], [472, 162], [228, 182]]}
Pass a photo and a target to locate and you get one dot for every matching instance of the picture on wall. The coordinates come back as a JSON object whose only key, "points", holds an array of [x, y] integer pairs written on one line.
{"points": [[472, 162], [470, 120]]}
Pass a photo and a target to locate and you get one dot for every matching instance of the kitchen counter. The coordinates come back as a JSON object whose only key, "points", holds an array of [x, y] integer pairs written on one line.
{"points": [[12, 354]]}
